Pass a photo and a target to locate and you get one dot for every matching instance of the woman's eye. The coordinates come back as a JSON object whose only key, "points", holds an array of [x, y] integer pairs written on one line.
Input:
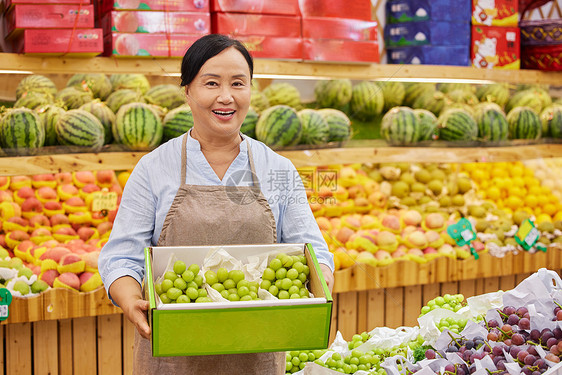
{"points": [[211, 83], [238, 84]]}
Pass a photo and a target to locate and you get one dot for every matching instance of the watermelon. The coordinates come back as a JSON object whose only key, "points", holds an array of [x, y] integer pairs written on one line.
{"points": [[137, 82], [367, 100], [72, 98], [249, 125], [282, 94], [457, 125], [80, 128], [279, 126], [433, 101], [393, 94], [524, 123], [427, 123], [138, 126], [527, 86], [50, 115], [121, 97], [97, 83], [334, 93], [551, 118], [176, 122], [491, 121], [167, 96], [415, 90], [21, 132], [525, 98], [258, 100], [462, 96], [338, 123], [104, 114], [462, 106], [36, 83], [315, 130], [400, 125], [448, 87], [32, 100], [496, 93], [161, 111], [545, 99]]}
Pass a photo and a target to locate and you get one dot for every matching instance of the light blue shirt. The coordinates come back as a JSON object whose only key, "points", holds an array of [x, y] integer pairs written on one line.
{"points": [[153, 184]]}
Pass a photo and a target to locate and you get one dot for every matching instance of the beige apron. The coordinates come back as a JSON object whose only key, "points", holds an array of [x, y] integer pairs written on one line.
{"points": [[214, 215]]}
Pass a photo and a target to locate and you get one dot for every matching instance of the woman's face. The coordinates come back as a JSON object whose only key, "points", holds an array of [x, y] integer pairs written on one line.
{"points": [[219, 96]]}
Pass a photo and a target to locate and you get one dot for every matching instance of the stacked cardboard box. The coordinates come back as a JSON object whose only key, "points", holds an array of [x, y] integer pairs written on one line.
{"points": [[339, 30], [495, 35], [152, 28], [433, 32], [64, 27], [268, 28]]}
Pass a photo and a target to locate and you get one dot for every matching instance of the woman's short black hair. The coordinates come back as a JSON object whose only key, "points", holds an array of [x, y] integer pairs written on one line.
{"points": [[205, 48]]}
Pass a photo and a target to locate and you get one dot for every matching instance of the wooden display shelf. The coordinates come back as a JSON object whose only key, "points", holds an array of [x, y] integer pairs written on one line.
{"points": [[274, 69], [354, 152]]}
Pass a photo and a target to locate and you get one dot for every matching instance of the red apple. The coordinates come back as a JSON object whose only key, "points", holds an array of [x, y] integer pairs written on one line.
{"points": [[49, 276], [59, 219], [31, 206], [63, 178], [43, 180], [39, 220], [83, 178], [105, 178], [17, 182], [46, 193], [6, 196]]}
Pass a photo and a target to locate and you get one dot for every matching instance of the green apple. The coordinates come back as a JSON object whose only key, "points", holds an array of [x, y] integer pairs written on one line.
{"points": [[24, 271], [179, 267], [39, 286]]}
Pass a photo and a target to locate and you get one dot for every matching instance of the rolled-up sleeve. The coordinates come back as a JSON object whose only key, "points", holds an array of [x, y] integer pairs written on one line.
{"points": [[123, 254], [298, 224]]}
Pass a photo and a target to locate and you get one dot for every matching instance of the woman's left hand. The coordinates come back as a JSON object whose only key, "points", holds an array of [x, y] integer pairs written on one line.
{"points": [[328, 276]]}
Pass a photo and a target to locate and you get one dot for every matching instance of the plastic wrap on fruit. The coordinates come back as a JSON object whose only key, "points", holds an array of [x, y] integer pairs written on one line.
{"points": [[428, 322]]}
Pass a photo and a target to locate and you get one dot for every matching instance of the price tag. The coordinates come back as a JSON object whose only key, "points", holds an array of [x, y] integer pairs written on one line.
{"points": [[532, 237], [104, 201], [463, 234], [5, 300], [527, 235], [3, 312], [467, 235]]}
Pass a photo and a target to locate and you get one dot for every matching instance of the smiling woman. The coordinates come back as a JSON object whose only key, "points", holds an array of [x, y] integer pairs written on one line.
{"points": [[191, 192]]}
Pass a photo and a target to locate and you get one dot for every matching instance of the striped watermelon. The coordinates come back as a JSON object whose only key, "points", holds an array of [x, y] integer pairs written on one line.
{"points": [[258, 100], [279, 126], [457, 125], [400, 125], [525, 98], [71, 98], [21, 132], [36, 83], [393, 94], [80, 128], [104, 114], [496, 93], [167, 96], [283, 94], [462, 106], [97, 83], [491, 121], [50, 115], [136, 82], [138, 126], [415, 90], [524, 123], [448, 87], [315, 130], [427, 123], [121, 97], [551, 119], [339, 124], [543, 96], [33, 100], [161, 111], [433, 101], [367, 100], [462, 96], [177, 122], [335, 93], [249, 125]]}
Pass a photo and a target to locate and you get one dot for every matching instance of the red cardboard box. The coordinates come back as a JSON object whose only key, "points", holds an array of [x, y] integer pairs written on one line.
{"points": [[338, 28], [147, 45], [9, 3], [358, 9], [495, 12], [340, 50], [25, 16], [57, 42], [157, 22], [273, 47], [286, 7], [495, 47], [235, 24], [166, 5]]}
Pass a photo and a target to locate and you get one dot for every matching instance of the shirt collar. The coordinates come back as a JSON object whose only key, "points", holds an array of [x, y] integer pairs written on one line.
{"points": [[194, 145]]}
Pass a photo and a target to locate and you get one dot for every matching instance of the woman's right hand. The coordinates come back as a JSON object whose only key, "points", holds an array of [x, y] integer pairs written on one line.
{"points": [[127, 294]]}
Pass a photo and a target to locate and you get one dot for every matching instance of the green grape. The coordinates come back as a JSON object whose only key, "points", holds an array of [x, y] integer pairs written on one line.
{"points": [[158, 288], [365, 336], [253, 295], [273, 290], [225, 294], [425, 310], [232, 291], [287, 262], [188, 276], [253, 288], [183, 299], [306, 270], [446, 306], [275, 264], [194, 268], [180, 283], [292, 274], [198, 279], [296, 361], [164, 298], [295, 296], [242, 283], [203, 299], [233, 297], [236, 275], [302, 277], [179, 267], [298, 266], [354, 361], [218, 287], [192, 284], [229, 284], [281, 273], [439, 301], [243, 291], [303, 357], [246, 298], [222, 274], [265, 284], [297, 283], [166, 284], [283, 295], [286, 283], [301, 365], [211, 277], [170, 275], [192, 293], [311, 357], [288, 366], [278, 283], [202, 292]]}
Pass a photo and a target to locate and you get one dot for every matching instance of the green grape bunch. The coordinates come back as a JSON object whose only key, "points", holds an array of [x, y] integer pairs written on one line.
{"points": [[232, 285], [450, 302], [286, 277], [182, 285], [296, 360]]}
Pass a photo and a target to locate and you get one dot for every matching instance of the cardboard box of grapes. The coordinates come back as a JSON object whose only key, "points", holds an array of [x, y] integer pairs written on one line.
{"points": [[236, 324]]}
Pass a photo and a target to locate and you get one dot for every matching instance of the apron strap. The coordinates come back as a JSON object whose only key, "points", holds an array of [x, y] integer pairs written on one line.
{"points": [[183, 159], [252, 168]]}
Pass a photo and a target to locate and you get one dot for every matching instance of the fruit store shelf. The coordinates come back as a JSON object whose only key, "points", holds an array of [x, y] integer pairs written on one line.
{"points": [[365, 151], [10, 62]]}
